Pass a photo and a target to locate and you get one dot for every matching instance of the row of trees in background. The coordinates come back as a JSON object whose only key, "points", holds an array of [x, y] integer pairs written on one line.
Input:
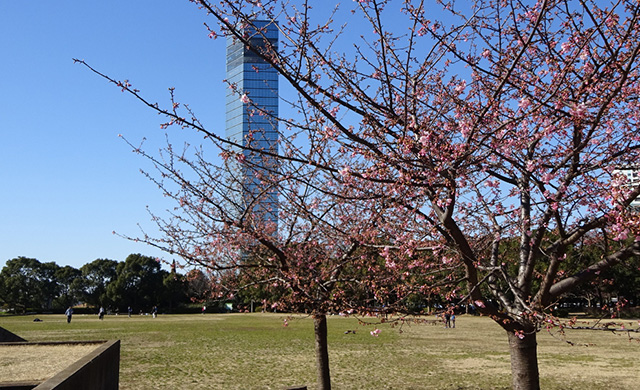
{"points": [[139, 282]]}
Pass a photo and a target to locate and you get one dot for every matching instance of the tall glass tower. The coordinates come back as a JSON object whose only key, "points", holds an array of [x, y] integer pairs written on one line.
{"points": [[252, 111]]}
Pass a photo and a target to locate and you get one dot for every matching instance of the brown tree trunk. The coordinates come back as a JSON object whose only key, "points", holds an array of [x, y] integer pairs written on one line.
{"points": [[524, 361], [322, 351]]}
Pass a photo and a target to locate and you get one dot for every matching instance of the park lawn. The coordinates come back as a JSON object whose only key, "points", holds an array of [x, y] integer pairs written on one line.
{"points": [[256, 351]]}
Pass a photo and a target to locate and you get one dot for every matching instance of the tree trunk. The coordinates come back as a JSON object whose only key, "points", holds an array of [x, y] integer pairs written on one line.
{"points": [[322, 351], [524, 361]]}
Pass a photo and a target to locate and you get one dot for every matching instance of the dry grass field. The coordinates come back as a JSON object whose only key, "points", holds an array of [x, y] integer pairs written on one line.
{"points": [[255, 351]]}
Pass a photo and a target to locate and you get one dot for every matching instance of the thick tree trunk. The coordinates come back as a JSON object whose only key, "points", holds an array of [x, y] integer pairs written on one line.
{"points": [[322, 351], [524, 361]]}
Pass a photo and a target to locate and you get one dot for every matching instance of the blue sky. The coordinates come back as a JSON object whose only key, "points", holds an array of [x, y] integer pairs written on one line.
{"points": [[67, 179]]}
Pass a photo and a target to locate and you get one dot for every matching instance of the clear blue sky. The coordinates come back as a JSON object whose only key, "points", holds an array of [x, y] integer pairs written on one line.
{"points": [[67, 179]]}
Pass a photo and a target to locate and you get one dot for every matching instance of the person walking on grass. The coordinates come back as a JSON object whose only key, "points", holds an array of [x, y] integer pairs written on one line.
{"points": [[69, 313]]}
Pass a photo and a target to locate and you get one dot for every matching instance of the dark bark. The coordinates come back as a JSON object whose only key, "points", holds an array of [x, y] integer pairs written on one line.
{"points": [[524, 361], [322, 351]]}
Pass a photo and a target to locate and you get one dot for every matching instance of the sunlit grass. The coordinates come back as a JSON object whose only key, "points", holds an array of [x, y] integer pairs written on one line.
{"points": [[255, 351]]}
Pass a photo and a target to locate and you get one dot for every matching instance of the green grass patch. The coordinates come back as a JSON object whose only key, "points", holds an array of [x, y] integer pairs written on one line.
{"points": [[255, 351]]}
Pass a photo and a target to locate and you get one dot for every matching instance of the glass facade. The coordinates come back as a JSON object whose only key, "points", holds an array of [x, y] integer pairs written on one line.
{"points": [[252, 120]]}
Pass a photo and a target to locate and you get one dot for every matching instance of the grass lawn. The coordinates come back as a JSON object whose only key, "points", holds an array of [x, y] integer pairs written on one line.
{"points": [[255, 351]]}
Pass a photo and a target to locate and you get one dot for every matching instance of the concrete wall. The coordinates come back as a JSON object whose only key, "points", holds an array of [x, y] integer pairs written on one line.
{"points": [[99, 370]]}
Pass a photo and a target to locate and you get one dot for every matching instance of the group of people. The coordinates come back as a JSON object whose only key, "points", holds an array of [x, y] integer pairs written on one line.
{"points": [[69, 313], [449, 318], [101, 312]]}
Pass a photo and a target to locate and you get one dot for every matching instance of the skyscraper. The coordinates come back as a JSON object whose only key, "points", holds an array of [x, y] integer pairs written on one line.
{"points": [[252, 110]]}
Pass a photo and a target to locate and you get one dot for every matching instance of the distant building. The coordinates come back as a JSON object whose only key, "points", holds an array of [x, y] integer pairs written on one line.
{"points": [[251, 112], [632, 172]]}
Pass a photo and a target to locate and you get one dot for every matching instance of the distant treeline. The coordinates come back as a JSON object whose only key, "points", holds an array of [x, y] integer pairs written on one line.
{"points": [[138, 283]]}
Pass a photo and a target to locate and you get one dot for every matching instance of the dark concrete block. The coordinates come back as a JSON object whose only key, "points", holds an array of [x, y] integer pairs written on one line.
{"points": [[8, 337]]}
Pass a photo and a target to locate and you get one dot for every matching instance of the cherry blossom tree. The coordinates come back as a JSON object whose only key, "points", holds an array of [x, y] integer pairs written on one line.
{"points": [[490, 120], [312, 261], [446, 128], [323, 254]]}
